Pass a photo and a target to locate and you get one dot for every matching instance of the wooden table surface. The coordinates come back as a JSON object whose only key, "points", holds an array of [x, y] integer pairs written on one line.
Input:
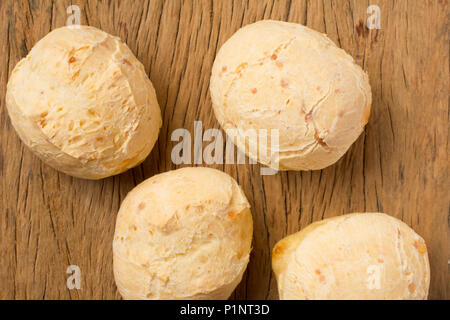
{"points": [[399, 165]]}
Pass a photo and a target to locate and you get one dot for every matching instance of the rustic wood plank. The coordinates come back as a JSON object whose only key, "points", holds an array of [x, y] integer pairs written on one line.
{"points": [[49, 220]]}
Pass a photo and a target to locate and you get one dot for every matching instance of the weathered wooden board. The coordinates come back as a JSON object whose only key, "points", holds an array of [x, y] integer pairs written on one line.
{"points": [[49, 220]]}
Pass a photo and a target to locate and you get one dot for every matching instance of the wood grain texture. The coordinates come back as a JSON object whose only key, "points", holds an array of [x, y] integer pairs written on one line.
{"points": [[399, 165]]}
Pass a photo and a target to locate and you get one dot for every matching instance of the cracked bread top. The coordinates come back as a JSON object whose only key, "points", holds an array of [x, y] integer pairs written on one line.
{"points": [[355, 256], [83, 103], [285, 76]]}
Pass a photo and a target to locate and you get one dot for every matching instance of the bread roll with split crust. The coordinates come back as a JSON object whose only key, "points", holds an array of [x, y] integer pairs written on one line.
{"points": [[83, 103], [274, 75], [355, 256], [183, 234]]}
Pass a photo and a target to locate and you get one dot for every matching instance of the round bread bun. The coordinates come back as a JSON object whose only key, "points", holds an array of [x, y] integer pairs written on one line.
{"points": [[183, 234], [355, 256], [273, 75], [83, 103]]}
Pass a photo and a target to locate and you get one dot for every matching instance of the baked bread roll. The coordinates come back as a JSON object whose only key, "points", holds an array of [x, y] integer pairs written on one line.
{"points": [[274, 75], [355, 256], [183, 234], [83, 103]]}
